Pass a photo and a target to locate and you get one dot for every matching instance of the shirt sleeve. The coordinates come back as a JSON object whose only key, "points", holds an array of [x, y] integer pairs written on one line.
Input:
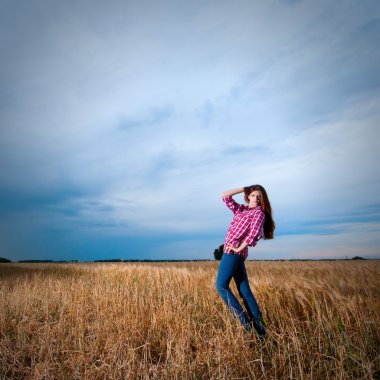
{"points": [[255, 228], [231, 203]]}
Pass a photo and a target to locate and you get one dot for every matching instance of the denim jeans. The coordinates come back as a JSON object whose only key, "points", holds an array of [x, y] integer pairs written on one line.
{"points": [[232, 265]]}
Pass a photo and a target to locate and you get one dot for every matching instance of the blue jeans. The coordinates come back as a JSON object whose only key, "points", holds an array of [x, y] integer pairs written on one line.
{"points": [[232, 265]]}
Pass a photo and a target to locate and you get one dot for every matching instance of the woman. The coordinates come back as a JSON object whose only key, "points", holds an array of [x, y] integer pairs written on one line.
{"points": [[249, 224]]}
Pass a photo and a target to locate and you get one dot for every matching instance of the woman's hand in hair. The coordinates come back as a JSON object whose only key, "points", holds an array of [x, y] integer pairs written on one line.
{"points": [[230, 193]]}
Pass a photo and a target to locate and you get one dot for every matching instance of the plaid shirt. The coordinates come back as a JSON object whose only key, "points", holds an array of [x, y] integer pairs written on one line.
{"points": [[246, 226]]}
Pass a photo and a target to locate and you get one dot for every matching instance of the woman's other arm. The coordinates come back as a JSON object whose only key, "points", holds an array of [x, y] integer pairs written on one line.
{"points": [[237, 249], [229, 193]]}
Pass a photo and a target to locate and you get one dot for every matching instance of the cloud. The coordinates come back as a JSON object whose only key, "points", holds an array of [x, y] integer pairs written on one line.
{"points": [[205, 112], [357, 239], [155, 117]]}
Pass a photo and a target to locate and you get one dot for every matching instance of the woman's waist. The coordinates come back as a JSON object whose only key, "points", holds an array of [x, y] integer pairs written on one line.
{"points": [[238, 236], [234, 241]]}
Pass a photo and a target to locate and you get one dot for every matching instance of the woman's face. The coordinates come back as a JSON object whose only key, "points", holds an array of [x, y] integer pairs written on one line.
{"points": [[254, 198]]}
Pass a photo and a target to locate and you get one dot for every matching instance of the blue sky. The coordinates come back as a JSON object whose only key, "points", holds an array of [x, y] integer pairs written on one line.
{"points": [[122, 122]]}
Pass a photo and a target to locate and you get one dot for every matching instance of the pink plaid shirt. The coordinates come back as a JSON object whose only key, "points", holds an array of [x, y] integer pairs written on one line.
{"points": [[246, 226]]}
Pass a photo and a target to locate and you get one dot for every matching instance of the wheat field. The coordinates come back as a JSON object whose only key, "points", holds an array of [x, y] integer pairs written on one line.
{"points": [[167, 321]]}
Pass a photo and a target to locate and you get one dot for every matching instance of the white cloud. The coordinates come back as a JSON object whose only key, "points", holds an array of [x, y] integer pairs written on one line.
{"points": [[357, 239]]}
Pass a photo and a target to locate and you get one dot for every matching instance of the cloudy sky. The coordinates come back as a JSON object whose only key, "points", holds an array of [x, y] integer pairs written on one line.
{"points": [[122, 122]]}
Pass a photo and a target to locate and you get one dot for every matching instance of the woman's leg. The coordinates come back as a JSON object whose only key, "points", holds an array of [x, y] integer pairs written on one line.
{"points": [[245, 292], [227, 268]]}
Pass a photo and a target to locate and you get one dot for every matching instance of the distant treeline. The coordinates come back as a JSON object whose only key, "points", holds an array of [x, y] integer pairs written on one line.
{"points": [[48, 261], [5, 260], [144, 260]]}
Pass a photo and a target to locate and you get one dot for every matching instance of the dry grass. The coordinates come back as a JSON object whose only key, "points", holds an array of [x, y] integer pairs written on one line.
{"points": [[166, 320]]}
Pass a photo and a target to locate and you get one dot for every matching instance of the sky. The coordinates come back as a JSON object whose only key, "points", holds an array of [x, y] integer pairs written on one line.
{"points": [[122, 122]]}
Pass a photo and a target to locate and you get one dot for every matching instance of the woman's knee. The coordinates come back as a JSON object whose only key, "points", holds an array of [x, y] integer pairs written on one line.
{"points": [[221, 286], [245, 291]]}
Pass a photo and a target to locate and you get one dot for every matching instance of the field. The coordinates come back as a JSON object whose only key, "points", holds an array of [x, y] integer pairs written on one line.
{"points": [[166, 320]]}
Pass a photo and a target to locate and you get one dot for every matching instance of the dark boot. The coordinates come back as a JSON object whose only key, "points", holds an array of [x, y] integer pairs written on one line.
{"points": [[259, 326]]}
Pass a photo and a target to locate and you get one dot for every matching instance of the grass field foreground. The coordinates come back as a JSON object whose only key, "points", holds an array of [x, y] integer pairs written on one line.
{"points": [[166, 320]]}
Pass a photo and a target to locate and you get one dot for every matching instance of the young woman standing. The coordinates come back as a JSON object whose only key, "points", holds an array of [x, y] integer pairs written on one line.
{"points": [[249, 224]]}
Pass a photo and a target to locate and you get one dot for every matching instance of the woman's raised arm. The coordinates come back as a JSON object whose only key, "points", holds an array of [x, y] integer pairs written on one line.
{"points": [[229, 193]]}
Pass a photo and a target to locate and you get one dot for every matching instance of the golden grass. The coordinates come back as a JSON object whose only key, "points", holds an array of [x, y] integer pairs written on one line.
{"points": [[166, 320]]}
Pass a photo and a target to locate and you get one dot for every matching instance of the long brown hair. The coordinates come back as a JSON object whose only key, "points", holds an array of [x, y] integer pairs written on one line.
{"points": [[269, 224]]}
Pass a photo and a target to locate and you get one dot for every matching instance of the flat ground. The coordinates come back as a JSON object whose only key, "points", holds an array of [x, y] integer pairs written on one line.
{"points": [[166, 320]]}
